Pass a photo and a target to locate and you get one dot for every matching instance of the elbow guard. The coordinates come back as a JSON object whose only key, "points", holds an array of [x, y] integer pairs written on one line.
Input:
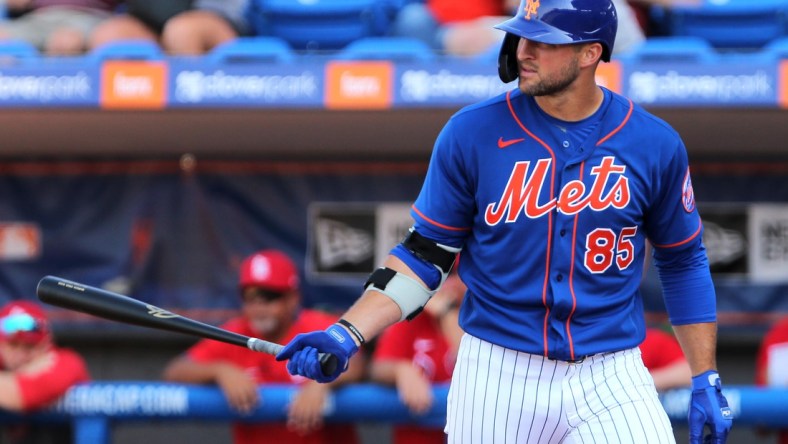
{"points": [[405, 291], [430, 261]]}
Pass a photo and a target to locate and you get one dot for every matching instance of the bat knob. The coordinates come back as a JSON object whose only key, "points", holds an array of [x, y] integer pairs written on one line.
{"points": [[328, 363]]}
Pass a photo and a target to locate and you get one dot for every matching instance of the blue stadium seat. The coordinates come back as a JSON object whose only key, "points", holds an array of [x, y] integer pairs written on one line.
{"points": [[127, 50], [728, 24], [17, 50], [253, 49], [777, 48], [672, 49], [398, 49], [320, 24]]}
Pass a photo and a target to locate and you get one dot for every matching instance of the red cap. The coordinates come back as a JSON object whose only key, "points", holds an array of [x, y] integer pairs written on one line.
{"points": [[269, 269], [23, 321]]}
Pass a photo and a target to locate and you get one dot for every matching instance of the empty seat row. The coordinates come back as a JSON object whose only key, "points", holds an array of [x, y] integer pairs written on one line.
{"points": [[397, 49], [726, 24], [691, 49], [321, 25]]}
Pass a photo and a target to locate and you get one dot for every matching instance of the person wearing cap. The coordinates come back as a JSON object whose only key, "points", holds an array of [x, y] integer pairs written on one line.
{"points": [[34, 372], [271, 310]]}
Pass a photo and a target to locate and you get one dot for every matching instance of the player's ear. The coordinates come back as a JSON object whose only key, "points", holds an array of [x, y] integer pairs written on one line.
{"points": [[590, 54]]}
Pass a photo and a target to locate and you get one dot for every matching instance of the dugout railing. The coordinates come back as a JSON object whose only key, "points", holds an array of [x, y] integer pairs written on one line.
{"points": [[93, 408]]}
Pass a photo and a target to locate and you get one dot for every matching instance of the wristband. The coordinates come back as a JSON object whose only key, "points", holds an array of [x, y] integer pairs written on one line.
{"points": [[353, 330], [709, 378]]}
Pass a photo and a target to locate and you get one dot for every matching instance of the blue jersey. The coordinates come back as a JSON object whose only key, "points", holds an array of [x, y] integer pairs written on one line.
{"points": [[553, 228]]}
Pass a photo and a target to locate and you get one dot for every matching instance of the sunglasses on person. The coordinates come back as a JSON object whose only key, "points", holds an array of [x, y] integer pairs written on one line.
{"points": [[19, 323], [252, 293]]}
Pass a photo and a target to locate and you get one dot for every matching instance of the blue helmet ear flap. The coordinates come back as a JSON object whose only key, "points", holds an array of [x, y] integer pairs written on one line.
{"points": [[508, 68]]}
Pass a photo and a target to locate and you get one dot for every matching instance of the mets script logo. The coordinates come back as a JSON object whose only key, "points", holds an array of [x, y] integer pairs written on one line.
{"points": [[687, 194], [531, 7], [523, 190], [157, 312]]}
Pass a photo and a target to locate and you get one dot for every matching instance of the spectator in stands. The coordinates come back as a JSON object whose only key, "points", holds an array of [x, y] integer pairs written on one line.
{"points": [[456, 28], [34, 373], [414, 355], [270, 310], [55, 27], [181, 28], [466, 28], [662, 356], [771, 366]]}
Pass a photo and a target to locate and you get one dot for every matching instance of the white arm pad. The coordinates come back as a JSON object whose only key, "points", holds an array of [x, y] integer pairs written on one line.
{"points": [[406, 292]]}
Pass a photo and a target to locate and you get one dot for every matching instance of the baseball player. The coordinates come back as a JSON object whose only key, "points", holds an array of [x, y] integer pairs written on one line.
{"points": [[550, 191]]}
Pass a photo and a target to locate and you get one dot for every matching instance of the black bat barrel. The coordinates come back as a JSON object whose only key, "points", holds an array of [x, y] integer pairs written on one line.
{"points": [[117, 307], [106, 304]]}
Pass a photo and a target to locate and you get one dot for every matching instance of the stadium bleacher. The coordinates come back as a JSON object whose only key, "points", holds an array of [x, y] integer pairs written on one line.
{"points": [[253, 49], [672, 49], [18, 49], [387, 48], [697, 32], [727, 24], [127, 50], [320, 24]]}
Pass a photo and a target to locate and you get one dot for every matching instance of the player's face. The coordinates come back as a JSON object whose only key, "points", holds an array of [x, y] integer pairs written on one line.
{"points": [[546, 69], [270, 313]]}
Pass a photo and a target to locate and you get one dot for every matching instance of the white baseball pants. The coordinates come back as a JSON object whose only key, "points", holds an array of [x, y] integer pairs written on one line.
{"points": [[498, 395]]}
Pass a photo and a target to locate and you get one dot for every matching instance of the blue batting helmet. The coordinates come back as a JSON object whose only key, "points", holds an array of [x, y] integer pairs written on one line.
{"points": [[557, 22]]}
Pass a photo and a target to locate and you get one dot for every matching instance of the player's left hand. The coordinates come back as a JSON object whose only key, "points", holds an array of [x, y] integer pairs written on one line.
{"points": [[708, 407], [303, 350]]}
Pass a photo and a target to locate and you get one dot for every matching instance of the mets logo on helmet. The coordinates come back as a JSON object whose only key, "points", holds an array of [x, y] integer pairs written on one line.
{"points": [[531, 7]]}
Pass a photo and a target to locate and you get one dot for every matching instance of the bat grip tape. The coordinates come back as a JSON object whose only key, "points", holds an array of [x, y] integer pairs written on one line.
{"points": [[264, 346]]}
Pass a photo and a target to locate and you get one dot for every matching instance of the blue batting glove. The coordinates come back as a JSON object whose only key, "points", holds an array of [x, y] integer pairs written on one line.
{"points": [[303, 352], [709, 407]]}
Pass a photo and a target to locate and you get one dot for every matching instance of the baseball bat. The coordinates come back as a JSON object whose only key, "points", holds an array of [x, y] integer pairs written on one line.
{"points": [[117, 307]]}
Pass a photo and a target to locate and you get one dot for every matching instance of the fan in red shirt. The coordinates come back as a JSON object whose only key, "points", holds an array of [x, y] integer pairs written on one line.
{"points": [[664, 360], [34, 372], [414, 355], [270, 310], [772, 361]]}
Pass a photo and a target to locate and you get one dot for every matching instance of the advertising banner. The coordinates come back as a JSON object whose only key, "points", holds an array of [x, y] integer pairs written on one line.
{"points": [[702, 84], [69, 84], [203, 83], [768, 231]]}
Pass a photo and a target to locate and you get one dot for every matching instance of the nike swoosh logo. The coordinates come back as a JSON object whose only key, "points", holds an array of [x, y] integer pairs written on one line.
{"points": [[504, 143]]}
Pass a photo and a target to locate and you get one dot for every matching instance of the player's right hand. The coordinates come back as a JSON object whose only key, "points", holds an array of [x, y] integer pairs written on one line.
{"points": [[303, 350], [708, 406]]}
